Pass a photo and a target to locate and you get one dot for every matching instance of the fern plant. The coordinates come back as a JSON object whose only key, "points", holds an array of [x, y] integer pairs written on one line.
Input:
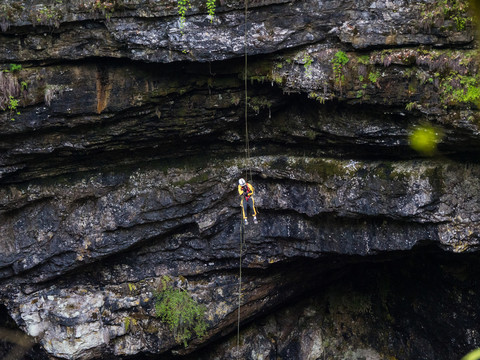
{"points": [[182, 314], [184, 5], [338, 62]]}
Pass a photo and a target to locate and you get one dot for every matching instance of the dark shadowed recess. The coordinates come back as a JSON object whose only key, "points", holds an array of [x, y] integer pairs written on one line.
{"points": [[419, 304], [13, 344]]}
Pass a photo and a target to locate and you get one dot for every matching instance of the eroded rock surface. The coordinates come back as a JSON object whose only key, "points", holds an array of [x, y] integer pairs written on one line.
{"points": [[120, 161]]}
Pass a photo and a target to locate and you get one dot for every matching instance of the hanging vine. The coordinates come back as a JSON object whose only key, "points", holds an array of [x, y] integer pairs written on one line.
{"points": [[211, 9], [184, 5]]}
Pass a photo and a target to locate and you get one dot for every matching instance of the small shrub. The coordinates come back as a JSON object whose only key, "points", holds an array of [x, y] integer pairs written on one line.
{"points": [[106, 7], [340, 59], [15, 67], [183, 315], [9, 91], [10, 13], [12, 106], [435, 14], [49, 16]]}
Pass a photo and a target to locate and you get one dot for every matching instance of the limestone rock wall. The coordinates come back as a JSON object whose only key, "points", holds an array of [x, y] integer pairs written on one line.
{"points": [[122, 138]]}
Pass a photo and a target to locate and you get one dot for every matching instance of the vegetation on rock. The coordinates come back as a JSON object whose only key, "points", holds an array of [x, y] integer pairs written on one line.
{"points": [[339, 60], [182, 314], [11, 88], [436, 13]]}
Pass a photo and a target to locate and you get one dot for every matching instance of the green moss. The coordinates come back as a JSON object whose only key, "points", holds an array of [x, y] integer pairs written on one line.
{"points": [[324, 168], [277, 79], [316, 96], [436, 179], [411, 106], [197, 179], [128, 322], [259, 102], [364, 59], [311, 134], [259, 78], [48, 15], [351, 302], [456, 88], [412, 88], [384, 171]]}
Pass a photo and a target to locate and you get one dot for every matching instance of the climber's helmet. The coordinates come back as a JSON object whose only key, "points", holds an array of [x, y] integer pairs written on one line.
{"points": [[241, 182]]}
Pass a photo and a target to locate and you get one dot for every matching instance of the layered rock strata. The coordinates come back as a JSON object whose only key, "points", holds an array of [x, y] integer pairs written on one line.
{"points": [[119, 164]]}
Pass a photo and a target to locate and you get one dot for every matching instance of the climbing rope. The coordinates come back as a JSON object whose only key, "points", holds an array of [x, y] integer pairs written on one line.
{"points": [[240, 287], [247, 167], [247, 143]]}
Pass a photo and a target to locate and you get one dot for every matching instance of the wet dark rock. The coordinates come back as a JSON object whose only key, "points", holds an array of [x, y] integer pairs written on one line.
{"points": [[121, 164]]}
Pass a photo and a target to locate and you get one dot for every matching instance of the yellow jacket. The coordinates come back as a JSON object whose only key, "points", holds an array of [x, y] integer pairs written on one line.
{"points": [[249, 192]]}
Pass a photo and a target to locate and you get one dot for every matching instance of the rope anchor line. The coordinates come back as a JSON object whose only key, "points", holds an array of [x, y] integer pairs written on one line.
{"points": [[247, 168]]}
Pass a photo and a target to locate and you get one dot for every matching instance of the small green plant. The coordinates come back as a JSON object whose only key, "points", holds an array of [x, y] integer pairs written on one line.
{"points": [[211, 9], [182, 8], [411, 105], [12, 106], [258, 103], [129, 321], [24, 85], [13, 103], [373, 76], [307, 63], [435, 14], [183, 315], [456, 88], [184, 5], [9, 88], [10, 13], [15, 67], [340, 59], [364, 59], [316, 96], [106, 7], [49, 16]]}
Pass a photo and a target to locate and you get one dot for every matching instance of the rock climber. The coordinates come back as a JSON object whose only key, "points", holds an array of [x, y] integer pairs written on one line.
{"points": [[246, 192]]}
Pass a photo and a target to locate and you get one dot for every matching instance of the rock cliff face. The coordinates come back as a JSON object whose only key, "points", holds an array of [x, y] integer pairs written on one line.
{"points": [[123, 137]]}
